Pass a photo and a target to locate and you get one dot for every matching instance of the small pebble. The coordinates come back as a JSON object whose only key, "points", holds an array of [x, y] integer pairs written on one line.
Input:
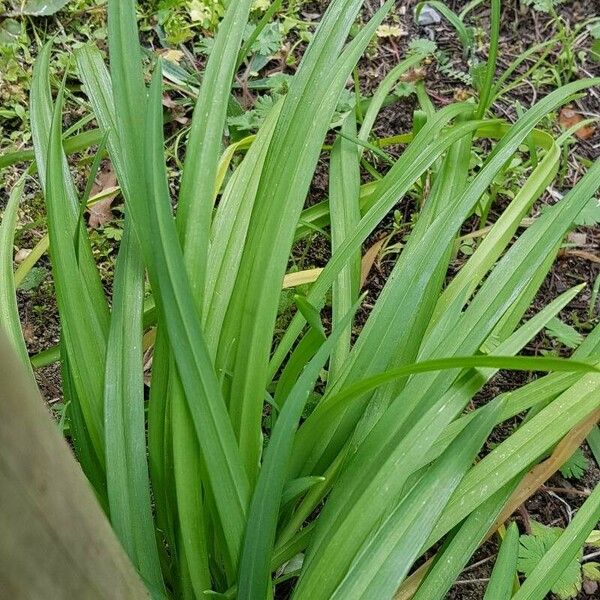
{"points": [[590, 587], [429, 16], [21, 255]]}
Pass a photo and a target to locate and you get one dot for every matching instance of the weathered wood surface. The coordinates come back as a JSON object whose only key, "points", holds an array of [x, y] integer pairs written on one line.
{"points": [[55, 541]]}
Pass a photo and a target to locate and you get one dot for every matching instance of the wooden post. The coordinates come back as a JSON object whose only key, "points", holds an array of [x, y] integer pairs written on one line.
{"points": [[55, 541]]}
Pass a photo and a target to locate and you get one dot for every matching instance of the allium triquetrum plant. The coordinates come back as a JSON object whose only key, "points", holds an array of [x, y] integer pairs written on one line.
{"points": [[204, 493]]}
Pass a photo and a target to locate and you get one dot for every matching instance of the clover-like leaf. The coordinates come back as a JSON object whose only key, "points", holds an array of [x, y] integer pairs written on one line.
{"points": [[532, 549], [576, 466]]}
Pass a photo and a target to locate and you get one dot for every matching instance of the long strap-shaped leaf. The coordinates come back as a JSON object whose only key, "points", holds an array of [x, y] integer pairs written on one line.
{"points": [[385, 559], [582, 193], [456, 553], [334, 547], [230, 230], [127, 468], [289, 166], [194, 212], [127, 477], [226, 478], [537, 393], [392, 324], [264, 510], [344, 186], [398, 180], [423, 253], [491, 247], [194, 216], [423, 392], [466, 37], [86, 346], [448, 186], [98, 86], [505, 569], [520, 450], [9, 310], [501, 291], [151, 213], [466, 387], [79, 292], [41, 120]]}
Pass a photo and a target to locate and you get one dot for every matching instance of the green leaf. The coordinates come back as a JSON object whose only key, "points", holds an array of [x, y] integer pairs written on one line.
{"points": [[79, 292], [9, 310], [422, 46], [532, 549], [386, 557], [564, 333], [344, 190], [576, 466], [39, 8], [255, 562], [546, 6], [590, 215], [10, 31], [127, 477], [556, 568], [460, 546], [593, 539], [591, 571], [535, 545], [269, 40], [246, 341], [196, 193], [33, 279], [295, 488], [502, 580], [142, 140], [595, 50], [529, 443]]}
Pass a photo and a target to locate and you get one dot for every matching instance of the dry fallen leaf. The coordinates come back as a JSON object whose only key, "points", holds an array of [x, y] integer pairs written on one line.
{"points": [[368, 260], [413, 75], [100, 212], [177, 111], [569, 117], [28, 333], [387, 31], [171, 55]]}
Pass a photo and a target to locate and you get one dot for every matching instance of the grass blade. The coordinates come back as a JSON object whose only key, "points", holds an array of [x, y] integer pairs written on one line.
{"points": [[253, 580], [460, 547], [502, 580], [127, 477], [344, 184], [194, 213], [385, 559], [153, 220], [252, 313], [9, 310], [86, 347]]}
